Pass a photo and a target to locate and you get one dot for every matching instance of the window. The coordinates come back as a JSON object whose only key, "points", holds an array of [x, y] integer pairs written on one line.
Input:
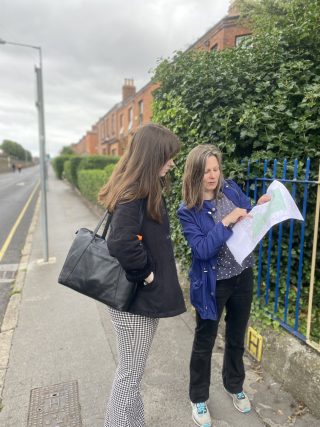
{"points": [[112, 124], [113, 152], [239, 39], [107, 127], [130, 119], [140, 118], [100, 131], [121, 131]]}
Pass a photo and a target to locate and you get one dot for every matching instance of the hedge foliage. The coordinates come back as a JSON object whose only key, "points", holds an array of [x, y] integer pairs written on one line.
{"points": [[90, 182], [97, 162], [67, 170], [108, 170], [258, 101], [58, 165], [76, 170], [68, 166], [71, 169], [16, 150]]}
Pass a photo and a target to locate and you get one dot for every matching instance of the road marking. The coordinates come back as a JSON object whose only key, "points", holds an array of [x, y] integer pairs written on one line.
{"points": [[20, 183], [14, 228], [8, 272]]}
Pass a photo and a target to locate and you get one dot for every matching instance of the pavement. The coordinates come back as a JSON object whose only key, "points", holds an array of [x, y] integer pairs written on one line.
{"points": [[58, 349]]}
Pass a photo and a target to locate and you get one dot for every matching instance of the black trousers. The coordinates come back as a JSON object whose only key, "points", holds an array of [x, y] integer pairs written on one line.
{"points": [[235, 294]]}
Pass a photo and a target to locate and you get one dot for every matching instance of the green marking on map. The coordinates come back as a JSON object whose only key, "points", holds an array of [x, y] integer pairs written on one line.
{"points": [[276, 204]]}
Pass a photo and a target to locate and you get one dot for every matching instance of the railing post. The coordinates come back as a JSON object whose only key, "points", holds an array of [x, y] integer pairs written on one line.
{"points": [[274, 175], [313, 264], [276, 297], [265, 169], [301, 249], [293, 194]]}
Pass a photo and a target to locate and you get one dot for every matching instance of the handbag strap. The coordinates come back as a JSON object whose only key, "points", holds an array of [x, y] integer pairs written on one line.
{"points": [[109, 217], [100, 223], [105, 230]]}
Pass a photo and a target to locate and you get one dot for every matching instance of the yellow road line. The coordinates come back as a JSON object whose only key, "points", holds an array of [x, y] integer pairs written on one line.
{"points": [[14, 228]]}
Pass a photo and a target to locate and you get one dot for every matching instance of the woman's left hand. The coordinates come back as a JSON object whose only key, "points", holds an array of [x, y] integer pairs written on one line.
{"points": [[264, 199]]}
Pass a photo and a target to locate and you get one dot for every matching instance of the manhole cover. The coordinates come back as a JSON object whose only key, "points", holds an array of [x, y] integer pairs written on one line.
{"points": [[55, 406]]}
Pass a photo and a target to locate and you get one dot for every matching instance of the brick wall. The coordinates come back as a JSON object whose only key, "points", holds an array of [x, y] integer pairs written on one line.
{"points": [[88, 144]]}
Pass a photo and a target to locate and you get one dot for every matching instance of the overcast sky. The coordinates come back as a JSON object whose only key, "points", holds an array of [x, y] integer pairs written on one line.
{"points": [[89, 48]]}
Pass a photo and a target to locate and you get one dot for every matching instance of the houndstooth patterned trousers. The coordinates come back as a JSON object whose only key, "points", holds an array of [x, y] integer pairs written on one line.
{"points": [[134, 335]]}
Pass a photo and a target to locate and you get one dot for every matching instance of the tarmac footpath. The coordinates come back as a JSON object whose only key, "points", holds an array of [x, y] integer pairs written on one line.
{"points": [[61, 355]]}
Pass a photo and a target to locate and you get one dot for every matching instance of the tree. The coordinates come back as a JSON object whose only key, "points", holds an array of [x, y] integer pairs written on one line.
{"points": [[66, 150], [297, 21], [16, 150]]}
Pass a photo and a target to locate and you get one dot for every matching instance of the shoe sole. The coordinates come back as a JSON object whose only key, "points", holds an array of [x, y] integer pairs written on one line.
{"points": [[246, 411], [201, 425]]}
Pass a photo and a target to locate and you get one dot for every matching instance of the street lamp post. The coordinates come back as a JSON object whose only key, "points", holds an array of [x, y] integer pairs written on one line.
{"points": [[42, 144]]}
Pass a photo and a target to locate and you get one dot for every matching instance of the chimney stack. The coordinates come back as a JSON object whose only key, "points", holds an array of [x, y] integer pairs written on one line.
{"points": [[128, 89], [233, 8]]}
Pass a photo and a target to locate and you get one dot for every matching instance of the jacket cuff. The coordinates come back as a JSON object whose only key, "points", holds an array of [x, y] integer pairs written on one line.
{"points": [[139, 275]]}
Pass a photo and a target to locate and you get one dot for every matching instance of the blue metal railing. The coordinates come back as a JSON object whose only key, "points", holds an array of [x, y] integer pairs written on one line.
{"points": [[281, 254]]}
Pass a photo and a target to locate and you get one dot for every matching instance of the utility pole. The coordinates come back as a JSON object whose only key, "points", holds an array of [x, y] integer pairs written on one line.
{"points": [[42, 146]]}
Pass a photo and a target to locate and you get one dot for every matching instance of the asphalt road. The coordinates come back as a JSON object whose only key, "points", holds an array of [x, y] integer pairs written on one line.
{"points": [[15, 191]]}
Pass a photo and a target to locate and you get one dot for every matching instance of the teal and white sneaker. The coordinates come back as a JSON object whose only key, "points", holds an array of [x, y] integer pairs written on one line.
{"points": [[241, 401], [201, 414]]}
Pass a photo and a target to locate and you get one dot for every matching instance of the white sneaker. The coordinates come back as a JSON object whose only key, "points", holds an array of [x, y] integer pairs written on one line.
{"points": [[201, 414], [241, 401]]}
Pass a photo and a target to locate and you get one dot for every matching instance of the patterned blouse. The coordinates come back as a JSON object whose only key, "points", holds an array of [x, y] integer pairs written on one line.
{"points": [[227, 266]]}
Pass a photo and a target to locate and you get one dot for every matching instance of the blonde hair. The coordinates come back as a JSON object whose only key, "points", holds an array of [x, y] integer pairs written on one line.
{"points": [[136, 176], [192, 182]]}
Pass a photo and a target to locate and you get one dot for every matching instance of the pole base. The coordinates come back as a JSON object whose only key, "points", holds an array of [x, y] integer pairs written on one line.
{"points": [[51, 260]]}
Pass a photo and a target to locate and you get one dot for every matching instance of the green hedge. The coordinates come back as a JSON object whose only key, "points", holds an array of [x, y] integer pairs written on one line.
{"points": [[90, 182], [97, 162], [67, 170], [58, 165], [68, 166], [71, 169], [109, 169]]}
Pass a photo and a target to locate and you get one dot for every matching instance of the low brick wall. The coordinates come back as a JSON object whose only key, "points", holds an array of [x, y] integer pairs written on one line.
{"points": [[4, 167]]}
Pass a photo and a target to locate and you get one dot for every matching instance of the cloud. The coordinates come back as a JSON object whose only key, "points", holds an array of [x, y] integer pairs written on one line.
{"points": [[89, 47]]}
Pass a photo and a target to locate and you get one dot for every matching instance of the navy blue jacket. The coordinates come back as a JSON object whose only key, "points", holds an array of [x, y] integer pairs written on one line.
{"points": [[205, 238]]}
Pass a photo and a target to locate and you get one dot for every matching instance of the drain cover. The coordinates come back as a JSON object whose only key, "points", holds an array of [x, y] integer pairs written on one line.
{"points": [[55, 406], [8, 272]]}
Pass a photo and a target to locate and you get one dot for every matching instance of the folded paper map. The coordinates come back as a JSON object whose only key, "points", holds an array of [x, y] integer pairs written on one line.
{"points": [[248, 232]]}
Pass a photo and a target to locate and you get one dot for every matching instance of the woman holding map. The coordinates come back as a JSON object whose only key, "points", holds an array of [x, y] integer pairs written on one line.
{"points": [[212, 205]]}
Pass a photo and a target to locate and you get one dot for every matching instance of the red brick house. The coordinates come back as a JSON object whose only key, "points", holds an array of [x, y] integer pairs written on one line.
{"points": [[88, 144], [115, 129]]}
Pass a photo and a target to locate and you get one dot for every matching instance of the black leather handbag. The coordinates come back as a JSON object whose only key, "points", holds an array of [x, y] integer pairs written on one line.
{"points": [[91, 270]]}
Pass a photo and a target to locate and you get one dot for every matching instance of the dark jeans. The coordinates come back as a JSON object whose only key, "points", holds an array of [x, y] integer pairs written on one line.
{"points": [[235, 294]]}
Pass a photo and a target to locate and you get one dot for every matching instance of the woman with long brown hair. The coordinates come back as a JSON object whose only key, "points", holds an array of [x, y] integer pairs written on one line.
{"points": [[139, 238]]}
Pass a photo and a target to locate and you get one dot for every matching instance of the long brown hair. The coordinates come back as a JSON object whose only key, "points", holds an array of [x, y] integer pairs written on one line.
{"points": [[136, 176], [192, 182]]}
